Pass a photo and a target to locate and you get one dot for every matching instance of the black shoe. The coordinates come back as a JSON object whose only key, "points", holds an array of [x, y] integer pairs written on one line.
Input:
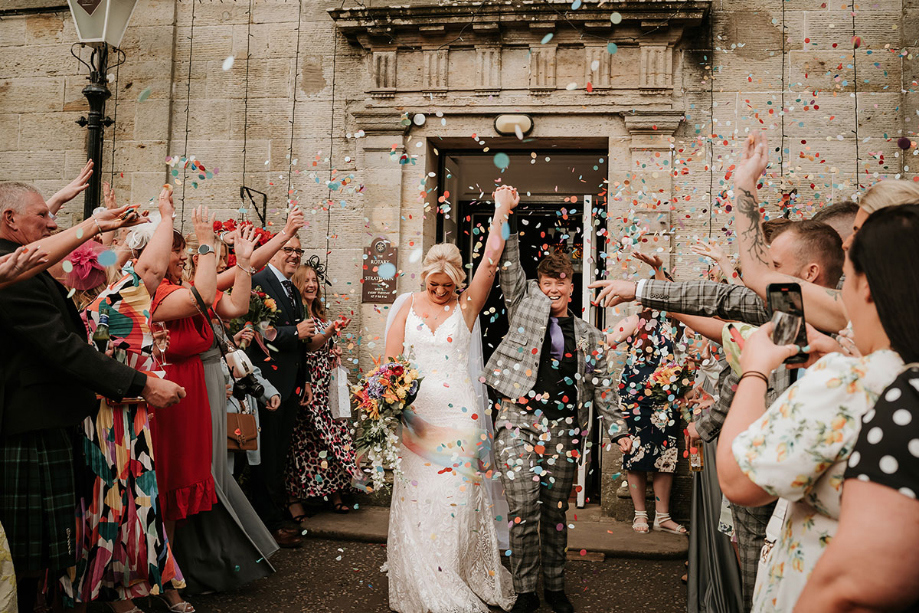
{"points": [[527, 602], [558, 601]]}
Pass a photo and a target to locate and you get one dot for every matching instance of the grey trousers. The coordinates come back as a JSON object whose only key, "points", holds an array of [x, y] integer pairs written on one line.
{"points": [[538, 467]]}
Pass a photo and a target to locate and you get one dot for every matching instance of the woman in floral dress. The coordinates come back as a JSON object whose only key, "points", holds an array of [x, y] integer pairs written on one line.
{"points": [[321, 458], [653, 426]]}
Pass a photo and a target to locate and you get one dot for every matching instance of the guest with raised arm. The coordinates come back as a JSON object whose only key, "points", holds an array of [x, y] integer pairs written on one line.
{"points": [[798, 448], [50, 378], [824, 307], [227, 546]]}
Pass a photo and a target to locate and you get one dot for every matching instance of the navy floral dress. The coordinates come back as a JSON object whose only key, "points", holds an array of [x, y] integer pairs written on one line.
{"points": [[653, 426], [321, 458]]}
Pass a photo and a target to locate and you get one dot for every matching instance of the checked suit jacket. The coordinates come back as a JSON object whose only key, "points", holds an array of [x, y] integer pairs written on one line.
{"points": [[513, 367], [730, 302]]}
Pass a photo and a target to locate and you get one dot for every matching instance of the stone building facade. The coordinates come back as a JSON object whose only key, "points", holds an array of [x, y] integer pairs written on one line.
{"points": [[378, 118]]}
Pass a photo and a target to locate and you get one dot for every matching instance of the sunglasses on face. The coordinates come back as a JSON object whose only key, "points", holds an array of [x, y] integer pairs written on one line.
{"points": [[289, 250]]}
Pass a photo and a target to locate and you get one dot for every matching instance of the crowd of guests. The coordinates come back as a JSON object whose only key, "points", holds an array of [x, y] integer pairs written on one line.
{"points": [[116, 477], [817, 459]]}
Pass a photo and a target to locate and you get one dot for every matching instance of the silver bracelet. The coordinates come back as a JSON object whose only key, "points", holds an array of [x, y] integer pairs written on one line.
{"points": [[98, 227], [248, 271]]}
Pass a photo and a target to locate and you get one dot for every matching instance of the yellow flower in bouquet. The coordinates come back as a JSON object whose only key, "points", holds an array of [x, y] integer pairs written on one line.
{"points": [[271, 304]]}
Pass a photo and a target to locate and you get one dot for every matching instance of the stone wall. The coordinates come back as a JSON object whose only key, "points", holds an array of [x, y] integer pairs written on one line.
{"points": [[324, 103]]}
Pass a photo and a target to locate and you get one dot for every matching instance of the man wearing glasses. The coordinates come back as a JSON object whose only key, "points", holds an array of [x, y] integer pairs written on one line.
{"points": [[287, 371]]}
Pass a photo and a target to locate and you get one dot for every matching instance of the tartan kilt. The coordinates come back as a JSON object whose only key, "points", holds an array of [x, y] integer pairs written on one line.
{"points": [[38, 499]]}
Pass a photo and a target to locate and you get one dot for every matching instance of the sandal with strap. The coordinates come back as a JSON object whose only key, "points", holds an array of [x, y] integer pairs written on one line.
{"points": [[640, 528], [179, 607], [660, 518]]}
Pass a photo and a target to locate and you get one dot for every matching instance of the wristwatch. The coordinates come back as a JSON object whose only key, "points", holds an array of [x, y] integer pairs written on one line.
{"points": [[205, 250]]}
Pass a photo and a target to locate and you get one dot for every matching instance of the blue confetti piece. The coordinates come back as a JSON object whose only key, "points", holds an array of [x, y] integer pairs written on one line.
{"points": [[387, 270], [108, 258], [502, 160]]}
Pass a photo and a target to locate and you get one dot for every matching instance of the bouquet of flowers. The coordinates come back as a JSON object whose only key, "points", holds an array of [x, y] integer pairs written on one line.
{"points": [[668, 382], [222, 227], [263, 312], [381, 396]]}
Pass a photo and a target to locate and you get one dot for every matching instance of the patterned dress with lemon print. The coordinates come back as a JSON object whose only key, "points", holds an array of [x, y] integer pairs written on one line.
{"points": [[798, 451]]}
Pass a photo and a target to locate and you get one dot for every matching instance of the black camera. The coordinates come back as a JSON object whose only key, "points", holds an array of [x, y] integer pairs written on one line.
{"points": [[248, 386]]}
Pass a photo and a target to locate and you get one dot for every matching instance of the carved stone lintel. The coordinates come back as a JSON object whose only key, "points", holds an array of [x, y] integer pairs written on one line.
{"points": [[542, 69], [488, 71], [434, 76], [383, 73], [656, 69], [375, 122], [652, 123]]}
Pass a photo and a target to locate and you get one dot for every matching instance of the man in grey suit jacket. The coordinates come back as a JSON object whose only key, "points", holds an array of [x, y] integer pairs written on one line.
{"points": [[549, 369]]}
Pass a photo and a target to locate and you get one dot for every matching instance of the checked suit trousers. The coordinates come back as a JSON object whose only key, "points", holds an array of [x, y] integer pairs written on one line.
{"points": [[537, 470]]}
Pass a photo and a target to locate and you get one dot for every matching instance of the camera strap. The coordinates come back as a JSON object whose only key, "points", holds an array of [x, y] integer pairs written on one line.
{"points": [[221, 343]]}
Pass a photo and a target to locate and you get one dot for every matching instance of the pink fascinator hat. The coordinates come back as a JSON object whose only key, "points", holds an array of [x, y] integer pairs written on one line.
{"points": [[87, 272]]}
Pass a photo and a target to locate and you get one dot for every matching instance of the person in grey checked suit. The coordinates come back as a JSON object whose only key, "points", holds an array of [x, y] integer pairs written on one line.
{"points": [[549, 369]]}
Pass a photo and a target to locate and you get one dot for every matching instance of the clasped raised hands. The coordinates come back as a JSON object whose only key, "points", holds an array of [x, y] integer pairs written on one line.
{"points": [[506, 197]]}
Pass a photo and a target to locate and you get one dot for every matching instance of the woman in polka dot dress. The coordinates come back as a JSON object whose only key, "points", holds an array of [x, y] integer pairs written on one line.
{"points": [[799, 448]]}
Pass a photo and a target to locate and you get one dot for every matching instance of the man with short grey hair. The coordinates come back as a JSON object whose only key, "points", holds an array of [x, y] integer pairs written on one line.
{"points": [[49, 380]]}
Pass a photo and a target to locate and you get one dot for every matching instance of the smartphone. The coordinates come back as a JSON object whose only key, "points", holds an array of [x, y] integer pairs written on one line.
{"points": [[787, 306]]}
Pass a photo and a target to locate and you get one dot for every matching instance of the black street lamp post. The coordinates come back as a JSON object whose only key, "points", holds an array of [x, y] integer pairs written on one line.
{"points": [[96, 93], [101, 25]]}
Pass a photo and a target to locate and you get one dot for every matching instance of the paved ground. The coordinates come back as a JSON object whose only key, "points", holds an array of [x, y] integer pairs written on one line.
{"points": [[344, 577]]}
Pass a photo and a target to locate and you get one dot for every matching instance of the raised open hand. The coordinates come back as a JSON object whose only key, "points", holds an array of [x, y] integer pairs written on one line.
{"points": [[74, 188], [295, 221], [708, 250], [204, 225], [14, 264], [164, 203], [753, 162], [654, 261], [244, 244], [122, 217]]}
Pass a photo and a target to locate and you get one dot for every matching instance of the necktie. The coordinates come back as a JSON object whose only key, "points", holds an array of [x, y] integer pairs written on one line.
{"points": [[556, 338], [290, 293]]}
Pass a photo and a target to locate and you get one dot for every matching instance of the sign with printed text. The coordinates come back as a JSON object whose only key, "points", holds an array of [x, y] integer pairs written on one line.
{"points": [[380, 273]]}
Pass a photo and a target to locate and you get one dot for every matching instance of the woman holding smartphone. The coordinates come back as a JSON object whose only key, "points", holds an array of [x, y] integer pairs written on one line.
{"points": [[798, 448]]}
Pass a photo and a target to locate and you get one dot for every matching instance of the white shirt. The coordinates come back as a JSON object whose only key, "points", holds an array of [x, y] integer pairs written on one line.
{"points": [[278, 274]]}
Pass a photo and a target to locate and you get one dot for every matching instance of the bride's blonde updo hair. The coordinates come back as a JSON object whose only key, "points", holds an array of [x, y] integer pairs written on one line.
{"points": [[445, 258]]}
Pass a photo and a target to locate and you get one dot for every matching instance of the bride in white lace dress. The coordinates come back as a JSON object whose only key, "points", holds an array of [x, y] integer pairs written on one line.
{"points": [[447, 509]]}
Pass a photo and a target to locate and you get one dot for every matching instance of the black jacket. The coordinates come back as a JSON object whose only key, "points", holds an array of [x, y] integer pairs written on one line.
{"points": [[49, 374], [287, 368]]}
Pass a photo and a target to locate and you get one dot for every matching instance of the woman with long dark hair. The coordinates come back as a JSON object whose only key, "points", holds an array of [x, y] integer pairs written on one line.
{"points": [[883, 469], [320, 462], [798, 448]]}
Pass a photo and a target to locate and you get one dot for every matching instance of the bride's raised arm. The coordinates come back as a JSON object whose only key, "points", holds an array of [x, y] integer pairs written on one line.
{"points": [[473, 299], [395, 330]]}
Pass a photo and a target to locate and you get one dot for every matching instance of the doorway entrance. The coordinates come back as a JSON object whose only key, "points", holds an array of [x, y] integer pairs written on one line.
{"points": [[562, 197]]}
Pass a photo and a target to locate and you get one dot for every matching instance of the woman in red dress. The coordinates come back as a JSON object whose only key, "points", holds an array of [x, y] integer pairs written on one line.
{"points": [[182, 437]]}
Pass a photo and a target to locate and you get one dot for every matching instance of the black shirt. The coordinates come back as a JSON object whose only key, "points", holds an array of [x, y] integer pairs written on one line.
{"points": [[556, 385]]}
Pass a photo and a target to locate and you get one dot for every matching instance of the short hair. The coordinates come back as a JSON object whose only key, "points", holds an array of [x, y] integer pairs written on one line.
{"points": [[557, 265], [445, 258], [877, 252], [13, 196], [774, 227], [890, 192], [819, 242], [832, 212]]}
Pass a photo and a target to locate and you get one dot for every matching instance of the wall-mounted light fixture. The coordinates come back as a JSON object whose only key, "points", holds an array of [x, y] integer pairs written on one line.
{"points": [[513, 125]]}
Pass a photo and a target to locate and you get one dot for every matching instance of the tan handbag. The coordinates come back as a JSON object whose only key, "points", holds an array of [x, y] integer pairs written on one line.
{"points": [[242, 433]]}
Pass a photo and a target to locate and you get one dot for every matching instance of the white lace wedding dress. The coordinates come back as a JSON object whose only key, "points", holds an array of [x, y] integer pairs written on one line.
{"points": [[442, 548]]}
